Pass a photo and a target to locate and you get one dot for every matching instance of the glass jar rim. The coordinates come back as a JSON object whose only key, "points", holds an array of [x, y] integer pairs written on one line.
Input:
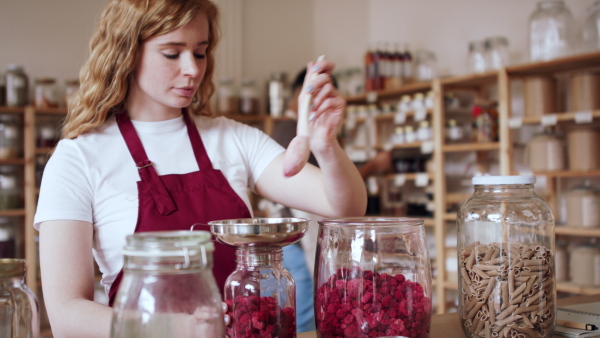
{"points": [[12, 267], [503, 180], [168, 243], [407, 223]]}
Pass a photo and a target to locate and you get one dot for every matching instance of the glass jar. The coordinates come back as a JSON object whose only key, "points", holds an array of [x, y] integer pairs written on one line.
{"points": [[583, 206], [71, 90], [277, 94], [591, 29], [476, 62], [454, 132], [551, 31], [424, 132], [506, 259], [372, 278], [227, 102], [19, 310], [7, 237], [46, 95], [168, 289], [10, 137], [10, 194], [546, 152], [47, 132], [496, 52], [425, 65], [249, 98], [17, 86], [260, 293]]}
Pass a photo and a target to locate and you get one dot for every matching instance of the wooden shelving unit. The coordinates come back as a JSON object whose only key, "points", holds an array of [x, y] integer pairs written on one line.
{"points": [[504, 148]]}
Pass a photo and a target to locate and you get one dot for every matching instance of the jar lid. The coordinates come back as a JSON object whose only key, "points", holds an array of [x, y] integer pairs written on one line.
{"points": [[502, 180], [168, 244], [12, 267]]}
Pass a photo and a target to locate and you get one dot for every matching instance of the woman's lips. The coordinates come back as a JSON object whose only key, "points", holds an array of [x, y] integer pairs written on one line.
{"points": [[185, 91]]}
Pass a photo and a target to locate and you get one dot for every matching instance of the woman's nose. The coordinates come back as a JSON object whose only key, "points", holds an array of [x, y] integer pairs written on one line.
{"points": [[189, 66]]}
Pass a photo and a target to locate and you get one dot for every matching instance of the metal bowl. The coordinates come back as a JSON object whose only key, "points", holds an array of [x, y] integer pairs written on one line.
{"points": [[259, 231]]}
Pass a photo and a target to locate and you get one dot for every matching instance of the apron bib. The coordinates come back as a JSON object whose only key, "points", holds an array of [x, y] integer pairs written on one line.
{"points": [[177, 201]]}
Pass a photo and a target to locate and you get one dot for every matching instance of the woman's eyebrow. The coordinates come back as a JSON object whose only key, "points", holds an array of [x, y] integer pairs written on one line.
{"points": [[183, 44]]}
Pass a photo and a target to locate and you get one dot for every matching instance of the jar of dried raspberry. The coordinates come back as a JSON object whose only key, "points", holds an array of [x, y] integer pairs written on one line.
{"points": [[373, 278], [168, 289], [260, 293]]}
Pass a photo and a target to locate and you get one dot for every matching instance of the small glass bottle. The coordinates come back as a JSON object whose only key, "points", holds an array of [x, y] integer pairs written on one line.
{"points": [[248, 97], [17, 86], [506, 259], [372, 278], [168, 289], [10, 137], [496, 52], [454, 133], [19, 309], [424, 132], [551, 31], [409, 134]]}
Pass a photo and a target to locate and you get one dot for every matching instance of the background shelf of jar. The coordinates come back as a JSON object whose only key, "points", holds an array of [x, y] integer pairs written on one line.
{"points": [[497, 86]]}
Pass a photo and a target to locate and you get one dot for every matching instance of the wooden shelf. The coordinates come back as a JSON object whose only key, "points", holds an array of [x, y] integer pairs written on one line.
{"points": [[11, 110], [391, 93], [581, 290], [12, 212], [407, 176], [390, 116], [571, 63], [577, 231], [51, 111], [428, 222], [471, 147], [452, 285], [43, 151], [13, 161], [572, 174], [560, 117], [471, 80], [450, 217], [457, 197], [408, 145]]}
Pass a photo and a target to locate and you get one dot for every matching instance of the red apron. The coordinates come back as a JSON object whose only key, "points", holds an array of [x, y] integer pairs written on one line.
{"points": [[176, 201]]}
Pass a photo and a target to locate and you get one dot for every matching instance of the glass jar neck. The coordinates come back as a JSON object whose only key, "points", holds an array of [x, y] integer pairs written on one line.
{"points": [[512, 189], [11, 282], [551, 4], [259, 256]]}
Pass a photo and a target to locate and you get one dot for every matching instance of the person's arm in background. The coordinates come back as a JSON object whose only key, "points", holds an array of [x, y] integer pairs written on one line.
{"points": [[334, 190], [68, 280]]}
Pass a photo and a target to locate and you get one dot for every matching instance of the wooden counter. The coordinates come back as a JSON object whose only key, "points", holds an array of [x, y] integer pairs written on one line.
{"points": [[448, 325]]}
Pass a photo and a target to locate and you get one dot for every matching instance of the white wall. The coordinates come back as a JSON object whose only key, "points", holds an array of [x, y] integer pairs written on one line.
{"points": [[50, 38]]}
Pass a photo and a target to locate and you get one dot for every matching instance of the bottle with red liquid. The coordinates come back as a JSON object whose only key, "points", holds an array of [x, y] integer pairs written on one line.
{"points": [[372, 278], [369, 70], [260, 293]]}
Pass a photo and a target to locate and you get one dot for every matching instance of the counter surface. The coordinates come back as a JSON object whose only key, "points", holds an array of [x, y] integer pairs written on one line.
{"points": [[448, 325]]}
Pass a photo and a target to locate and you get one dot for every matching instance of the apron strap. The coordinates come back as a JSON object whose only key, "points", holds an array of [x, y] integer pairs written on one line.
{"points": [[197, 144], [148, 174]]}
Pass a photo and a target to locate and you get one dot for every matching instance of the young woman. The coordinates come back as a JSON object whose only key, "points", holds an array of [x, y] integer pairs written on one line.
{"points": [[141, 152]]}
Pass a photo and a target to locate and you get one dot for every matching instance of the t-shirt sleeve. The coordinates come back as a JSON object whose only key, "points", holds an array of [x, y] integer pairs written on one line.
{"points": [[66, 191], [259, 148]]}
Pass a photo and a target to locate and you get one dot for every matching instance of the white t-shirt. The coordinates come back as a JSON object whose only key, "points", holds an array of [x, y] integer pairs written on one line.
{"points": [[93, 178]]}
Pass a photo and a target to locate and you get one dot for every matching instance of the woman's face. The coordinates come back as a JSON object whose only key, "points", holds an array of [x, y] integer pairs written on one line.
{"points": [[170, 68]]}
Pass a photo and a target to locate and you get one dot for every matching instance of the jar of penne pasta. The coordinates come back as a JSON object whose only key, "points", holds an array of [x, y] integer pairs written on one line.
{"points": [[506, 260]]}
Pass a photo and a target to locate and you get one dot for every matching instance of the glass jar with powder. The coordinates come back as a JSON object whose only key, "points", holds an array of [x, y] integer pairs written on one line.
{"points": [[583, 206], [506, 260]]}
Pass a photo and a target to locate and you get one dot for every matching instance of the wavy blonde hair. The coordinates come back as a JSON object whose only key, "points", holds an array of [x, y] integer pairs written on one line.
{"points": [[123, 26]]}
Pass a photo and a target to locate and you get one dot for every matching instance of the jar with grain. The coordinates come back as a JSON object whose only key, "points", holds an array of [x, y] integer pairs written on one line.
{"points": [[19, 309], [506, 260], [17, 86], [10, 137], [46, 95]]}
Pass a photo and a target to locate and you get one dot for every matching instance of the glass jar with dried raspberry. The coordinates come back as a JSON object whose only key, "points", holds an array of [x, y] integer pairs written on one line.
{"points": [[168, 289], [373, 278], [260, 293]]}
